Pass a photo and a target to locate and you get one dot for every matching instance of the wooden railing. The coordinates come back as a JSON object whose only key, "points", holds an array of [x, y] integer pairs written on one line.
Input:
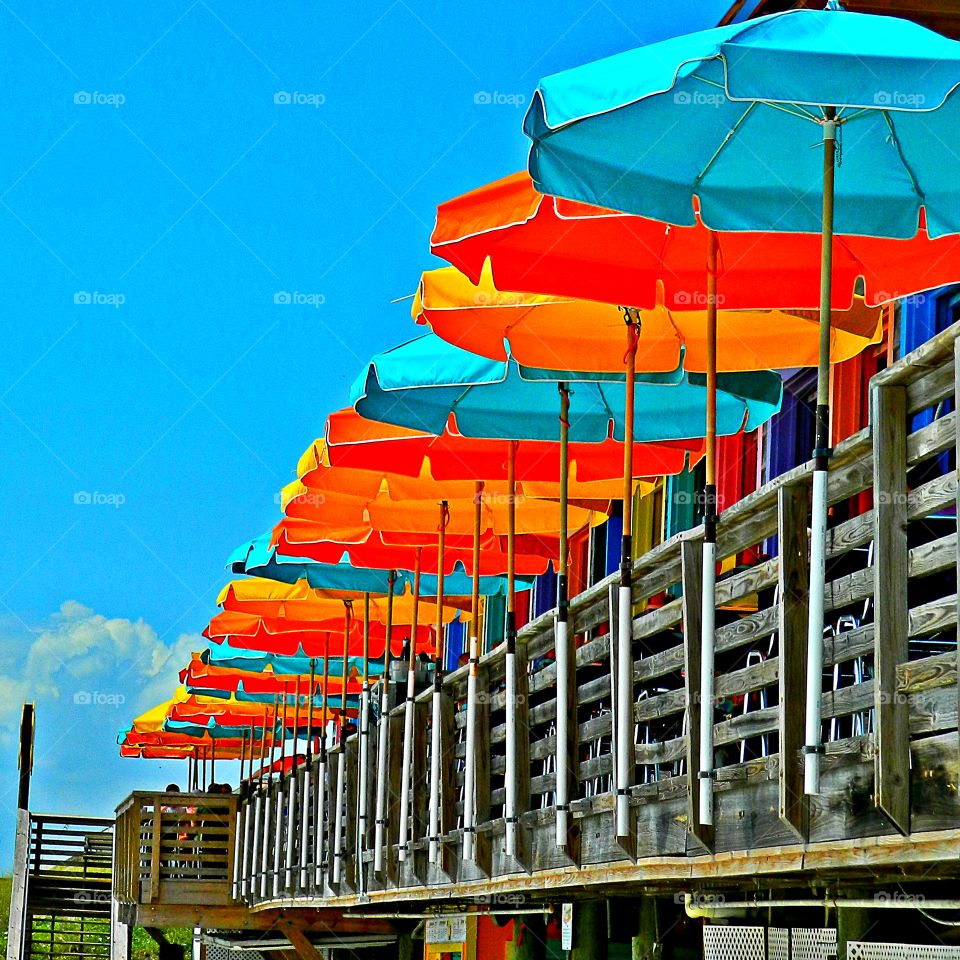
{"points": [[175, 848], [889, 695]]}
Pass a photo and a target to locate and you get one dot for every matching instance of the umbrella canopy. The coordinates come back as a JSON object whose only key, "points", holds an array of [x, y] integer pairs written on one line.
{"points": [[424, 382], [225, 655], [564, 333], [355, 440], [565, 248], [742, 104]]}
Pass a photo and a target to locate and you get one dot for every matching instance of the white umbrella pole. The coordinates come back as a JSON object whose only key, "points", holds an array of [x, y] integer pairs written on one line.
{"points": [[510, 660], [342, 757], [624, 718], [470, 767], [710, 518], [813, 747], [408, 717], [562, 647], [364, 750], [381, 798], [307, 777], [434, 816], [322, 773]]}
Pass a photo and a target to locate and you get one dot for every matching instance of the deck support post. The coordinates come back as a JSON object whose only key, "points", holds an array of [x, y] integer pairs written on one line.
{"points": [[589, 930], [691, 562], [793, 614], [521, 773], [888, 422]]}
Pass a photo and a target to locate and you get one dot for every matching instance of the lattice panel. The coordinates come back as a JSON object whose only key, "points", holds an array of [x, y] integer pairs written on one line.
{"points": [[734, 943], [813, 943], [900, 951], [778, 944], [216, 951]]}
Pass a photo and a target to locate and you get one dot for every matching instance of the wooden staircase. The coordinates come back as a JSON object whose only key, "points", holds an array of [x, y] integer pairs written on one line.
{"points": [[68, 877]]}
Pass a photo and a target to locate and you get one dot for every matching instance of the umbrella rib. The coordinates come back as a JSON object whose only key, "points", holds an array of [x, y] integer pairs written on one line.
{"points": [[731, 133], [794, 109], [896, 145]]}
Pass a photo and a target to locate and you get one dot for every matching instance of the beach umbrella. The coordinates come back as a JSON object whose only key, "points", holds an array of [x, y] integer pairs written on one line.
{"points": [[426, 383], [226, 655], [741, 104]]}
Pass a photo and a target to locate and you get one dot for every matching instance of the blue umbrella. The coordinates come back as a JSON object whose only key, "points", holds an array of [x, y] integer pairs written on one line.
{"points": [[740, 107], [225, 655]]}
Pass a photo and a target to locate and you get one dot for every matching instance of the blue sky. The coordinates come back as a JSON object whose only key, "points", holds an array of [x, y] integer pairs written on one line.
{"points": [[165, 174]]}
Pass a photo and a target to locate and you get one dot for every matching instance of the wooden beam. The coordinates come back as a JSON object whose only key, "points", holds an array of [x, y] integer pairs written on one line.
{"points": [[794, 586], [888, 420], [304, 948], [483, 855], [691, 560]]}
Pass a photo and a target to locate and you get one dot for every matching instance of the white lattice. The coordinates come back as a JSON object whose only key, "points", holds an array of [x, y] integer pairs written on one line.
{"points": [[813, 943], [778, 944], [217, 951], [734, 943], [900, 951]]}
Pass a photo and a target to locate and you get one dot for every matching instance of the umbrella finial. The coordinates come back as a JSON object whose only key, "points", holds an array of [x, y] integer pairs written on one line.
{"points": [[834, 5]]}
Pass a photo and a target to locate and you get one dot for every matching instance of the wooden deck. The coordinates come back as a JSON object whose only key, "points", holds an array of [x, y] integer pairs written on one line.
{"points": [[889, 803]]}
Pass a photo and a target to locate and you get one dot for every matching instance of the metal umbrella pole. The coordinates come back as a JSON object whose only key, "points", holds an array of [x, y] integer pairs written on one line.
{"points": [[281, 791], [709, 576], [624, 717], [342, 756], [408, 715], [364, 750], [307, 779], [470, 766], [381, 799], [813, 748], [434, 816], [292, 794], [563, 639], [322, 771], [510, 660]]}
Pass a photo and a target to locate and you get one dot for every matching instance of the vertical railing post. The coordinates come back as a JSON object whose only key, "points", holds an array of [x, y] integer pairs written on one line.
{"points": [[482, 851], [793, 517], [691, 567], [888, 423]]}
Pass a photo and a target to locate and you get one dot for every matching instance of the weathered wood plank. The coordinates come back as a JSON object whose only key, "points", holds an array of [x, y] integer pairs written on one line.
{"points": [[692, 564], [793, 607], [888, 417]]}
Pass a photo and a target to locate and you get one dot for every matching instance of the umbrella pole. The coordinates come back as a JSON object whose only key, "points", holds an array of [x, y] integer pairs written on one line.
{"points": [[624, 713], [813, 748], [408, 715], [307, 777], [292, 798], [342, 756], [265, 770], [709, 582], [434, 817], [322, 772], [470, 767], [563, 648], [510, 659], [381, 798], [281, 804], [364, 750]]}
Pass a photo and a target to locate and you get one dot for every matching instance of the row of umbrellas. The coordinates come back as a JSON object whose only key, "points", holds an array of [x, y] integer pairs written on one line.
{"points": [[606, 315]]}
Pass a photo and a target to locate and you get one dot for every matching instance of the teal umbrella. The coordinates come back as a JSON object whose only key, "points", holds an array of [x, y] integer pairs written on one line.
{"points": [[425, 382], [718, 125]]}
